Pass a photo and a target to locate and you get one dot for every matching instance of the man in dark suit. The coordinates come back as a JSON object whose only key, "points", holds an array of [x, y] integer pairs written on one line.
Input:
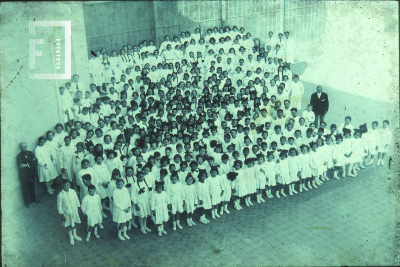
{"points": [[319, 101], [27, 165]]}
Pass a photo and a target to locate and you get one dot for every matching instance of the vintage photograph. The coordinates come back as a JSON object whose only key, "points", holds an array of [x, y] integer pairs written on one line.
{"points": [[200, 133]]}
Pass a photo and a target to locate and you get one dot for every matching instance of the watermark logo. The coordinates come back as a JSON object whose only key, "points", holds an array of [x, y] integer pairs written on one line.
{"points": [[59, 57]]}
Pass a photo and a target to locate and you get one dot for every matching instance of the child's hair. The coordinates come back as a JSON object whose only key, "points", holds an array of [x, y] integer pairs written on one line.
{"points": [[115, 173], [375, 122], [189, 176], [224, 157], [178, 156], [175, 174], [238, 162], [84, 161], [119, 180], [87, 177], [339, 136], [386, 121], [347, 117], [127, 168], [183, 163], [322, 140], [293, 149], [59, 125], [65, 181], [98, 156]]}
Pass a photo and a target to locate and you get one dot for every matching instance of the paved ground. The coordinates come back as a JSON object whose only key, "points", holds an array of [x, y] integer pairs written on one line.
{"points": [[346, 222]]}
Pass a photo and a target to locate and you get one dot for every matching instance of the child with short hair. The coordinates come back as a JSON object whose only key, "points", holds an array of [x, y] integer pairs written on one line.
{"points": [[104, 176], [384, 142], [260, 177], [321, 160], [283, 171], [372, 141], [358, 148], [190, 199], [140, 199], [314, 164], [309, 115], [216, 190], [251, 186], [297, 92], [294, 169], [239, 184], [122, 209], [338, 157], [203, 195], [66, 155], [348, 151], [91, 207], [159, 207], [86, 169], [68, 204], [328, 147], [305, 171], [176, 193]]}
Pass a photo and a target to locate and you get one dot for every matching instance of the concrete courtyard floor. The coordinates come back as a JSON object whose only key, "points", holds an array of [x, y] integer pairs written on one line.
{"points": [[344, 222]]}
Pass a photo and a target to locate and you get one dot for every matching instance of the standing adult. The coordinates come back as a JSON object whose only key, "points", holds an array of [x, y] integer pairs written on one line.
{"points": [[76, 85], [27, 166], [289, 49], [319, 101]]}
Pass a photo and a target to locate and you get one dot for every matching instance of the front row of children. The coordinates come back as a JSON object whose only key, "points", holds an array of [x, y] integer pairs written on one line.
{"points": [[206, 189]]}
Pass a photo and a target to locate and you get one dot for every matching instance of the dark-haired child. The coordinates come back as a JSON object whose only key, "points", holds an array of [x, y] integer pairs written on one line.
{"points": [[176, 193], [338, 157], [305, 171], [372, 143], [66, 154], [104, 176], [239, 184], [122, 209], [159, 207], [358, 148], [384, 142], [86, 169], [314, 164], [348, 151], [91, 207], [67, 205], [260, 177], [190, 199], [283, 171], [216, 190], [203, 195], [140, 192], [294, 169]]}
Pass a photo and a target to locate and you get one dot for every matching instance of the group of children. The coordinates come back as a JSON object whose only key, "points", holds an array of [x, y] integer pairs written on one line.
{"points": [[192, 135]]}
